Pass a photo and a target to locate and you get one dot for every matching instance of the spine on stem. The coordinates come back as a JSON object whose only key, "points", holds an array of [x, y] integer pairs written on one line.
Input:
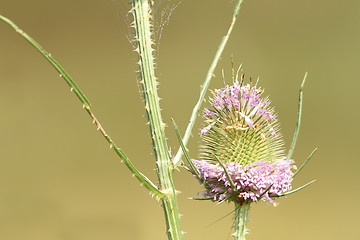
{"points": [[142, 24]]}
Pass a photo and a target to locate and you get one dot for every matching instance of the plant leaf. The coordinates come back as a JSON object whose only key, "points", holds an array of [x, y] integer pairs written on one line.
{"points": [[293, 191], [298, 121], [87, 106], [306, 161]]}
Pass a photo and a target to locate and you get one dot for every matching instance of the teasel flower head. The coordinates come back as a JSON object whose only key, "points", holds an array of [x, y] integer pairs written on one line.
{"points": [[242, 153]]}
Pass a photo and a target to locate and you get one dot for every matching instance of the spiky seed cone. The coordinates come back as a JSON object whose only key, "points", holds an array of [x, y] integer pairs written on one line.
{"points": [[241, 127]]}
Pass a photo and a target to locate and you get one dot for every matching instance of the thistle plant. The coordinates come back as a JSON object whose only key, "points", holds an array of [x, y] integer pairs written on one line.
{"points": [[242, 156]]}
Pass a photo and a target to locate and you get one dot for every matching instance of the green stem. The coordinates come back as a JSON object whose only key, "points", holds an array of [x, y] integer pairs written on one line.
{"points": [[240, 221], [144, 42], [206, 83]]}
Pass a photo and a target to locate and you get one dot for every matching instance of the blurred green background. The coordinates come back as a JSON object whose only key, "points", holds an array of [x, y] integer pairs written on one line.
{"points": [[60, 181]]}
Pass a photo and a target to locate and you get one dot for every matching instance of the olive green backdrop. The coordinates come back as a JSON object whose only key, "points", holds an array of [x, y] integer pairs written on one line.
{"points": [[60, 181]]}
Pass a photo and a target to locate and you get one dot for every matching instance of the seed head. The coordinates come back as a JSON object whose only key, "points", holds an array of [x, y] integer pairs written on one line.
{"points": [[241, 131]]}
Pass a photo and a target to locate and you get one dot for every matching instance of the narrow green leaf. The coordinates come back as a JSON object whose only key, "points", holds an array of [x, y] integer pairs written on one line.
{"points": [[227, 173], [51, 60], [87, 106], [186, 154], [306, 161], [266, 190], [298, 121], [237, 74], [293, 191]]}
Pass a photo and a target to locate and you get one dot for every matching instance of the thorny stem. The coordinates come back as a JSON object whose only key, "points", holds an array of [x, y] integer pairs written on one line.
{"points": [[206, 83], [87, 106], [240, 221], [141, 11]]}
